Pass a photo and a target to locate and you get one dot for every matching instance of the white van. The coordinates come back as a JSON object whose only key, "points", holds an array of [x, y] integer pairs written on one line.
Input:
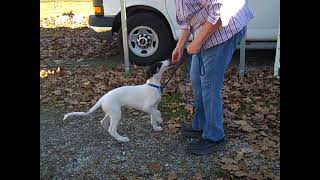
{"points": [[153, 30]]}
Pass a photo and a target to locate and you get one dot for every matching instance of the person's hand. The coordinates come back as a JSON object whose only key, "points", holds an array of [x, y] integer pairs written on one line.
{"points": [[193, 47], [176, 55]]}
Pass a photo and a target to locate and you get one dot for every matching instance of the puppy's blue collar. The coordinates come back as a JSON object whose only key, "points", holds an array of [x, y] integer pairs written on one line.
{"points": [[155, 86]]}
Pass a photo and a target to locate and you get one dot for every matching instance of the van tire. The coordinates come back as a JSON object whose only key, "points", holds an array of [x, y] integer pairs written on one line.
{"points": [[151, 22]]}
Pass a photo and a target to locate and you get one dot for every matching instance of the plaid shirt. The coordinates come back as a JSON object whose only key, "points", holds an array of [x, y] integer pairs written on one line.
{"points": [[234, 14]]}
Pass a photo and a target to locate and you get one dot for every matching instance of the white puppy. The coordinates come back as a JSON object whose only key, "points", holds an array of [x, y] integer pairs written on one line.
{"points": [[144, 97]]}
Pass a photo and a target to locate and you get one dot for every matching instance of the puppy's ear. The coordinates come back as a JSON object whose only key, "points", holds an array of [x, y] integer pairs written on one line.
{"points": [[153, 69], [150, 72]]}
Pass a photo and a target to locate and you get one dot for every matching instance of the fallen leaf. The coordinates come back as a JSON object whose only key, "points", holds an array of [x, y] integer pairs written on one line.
{"points": [[270, 77], [47, 99], [81, 59], [252, 136], [172, 176], [269, 143], [271, 116], [135, 113], [87, 83], [227, 101], [197, 176], [259, 116], [247, 128], [156, 177], [246, 150], [181, 88], [264, 148], [57, 61], [236, 84], [269, 174], [264, 127], [235, 106], [247, 99], [254, 175], [96, 90], [239, 156], [240, 174], [241, 122], [277, 82], [84, 103], [68, 90], [257, 97], [57, 92], [230, 167], [189, 108], [263, 133], [259, 82], [154, 167], [131, 178], [70, 101], [228, 161], [173, 127]]}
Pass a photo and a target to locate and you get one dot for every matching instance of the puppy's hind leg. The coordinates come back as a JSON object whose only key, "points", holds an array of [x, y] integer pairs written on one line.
{"points": [[115, 117], [104, 121]]}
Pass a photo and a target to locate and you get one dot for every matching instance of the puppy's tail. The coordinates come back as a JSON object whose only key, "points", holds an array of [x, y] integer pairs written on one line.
{"points": [[95, 107]]}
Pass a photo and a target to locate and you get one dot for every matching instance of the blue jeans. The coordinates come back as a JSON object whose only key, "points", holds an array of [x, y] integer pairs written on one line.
{"points": [[207, 87]]}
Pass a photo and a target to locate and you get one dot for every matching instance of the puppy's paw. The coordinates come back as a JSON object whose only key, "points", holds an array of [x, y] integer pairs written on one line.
{"points": [[158, 128], [123, 139], [65, 117], [104, 124], [160, 120]]}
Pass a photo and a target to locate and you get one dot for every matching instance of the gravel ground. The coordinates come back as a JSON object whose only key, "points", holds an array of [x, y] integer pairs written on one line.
{"points": [[81, 148]]}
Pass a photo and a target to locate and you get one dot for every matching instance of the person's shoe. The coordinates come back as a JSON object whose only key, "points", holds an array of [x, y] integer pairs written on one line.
{"points": [[205, 146], [188, 132]]}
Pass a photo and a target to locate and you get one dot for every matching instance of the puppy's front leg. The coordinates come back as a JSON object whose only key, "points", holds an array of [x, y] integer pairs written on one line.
{"points": [[154, 116], [154, 123], [160, 118]]}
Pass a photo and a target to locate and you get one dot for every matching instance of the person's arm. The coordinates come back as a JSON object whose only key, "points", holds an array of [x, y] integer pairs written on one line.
{"points": [[178, 51], [206, 31], [183, 39]]}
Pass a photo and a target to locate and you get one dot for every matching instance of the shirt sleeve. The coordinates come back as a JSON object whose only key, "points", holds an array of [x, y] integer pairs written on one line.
{"points": [[213, 8], [183, 24]]}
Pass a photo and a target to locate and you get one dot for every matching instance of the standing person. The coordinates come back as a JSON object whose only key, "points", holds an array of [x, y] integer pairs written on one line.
{"points": [[217, 27]]}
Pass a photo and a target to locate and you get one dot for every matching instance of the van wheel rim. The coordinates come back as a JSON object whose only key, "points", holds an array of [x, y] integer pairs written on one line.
{"points": [[143, 41]]}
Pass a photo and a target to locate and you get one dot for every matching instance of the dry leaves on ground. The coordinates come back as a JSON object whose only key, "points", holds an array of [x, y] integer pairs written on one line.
{"points": [[256, 120], [68, 38]]}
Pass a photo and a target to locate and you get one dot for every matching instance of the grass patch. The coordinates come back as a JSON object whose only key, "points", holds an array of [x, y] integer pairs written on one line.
{"points": [[172, 106]]}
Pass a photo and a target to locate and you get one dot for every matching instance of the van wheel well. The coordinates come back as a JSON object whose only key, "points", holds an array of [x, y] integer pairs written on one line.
{"points": [[140, 9]]}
